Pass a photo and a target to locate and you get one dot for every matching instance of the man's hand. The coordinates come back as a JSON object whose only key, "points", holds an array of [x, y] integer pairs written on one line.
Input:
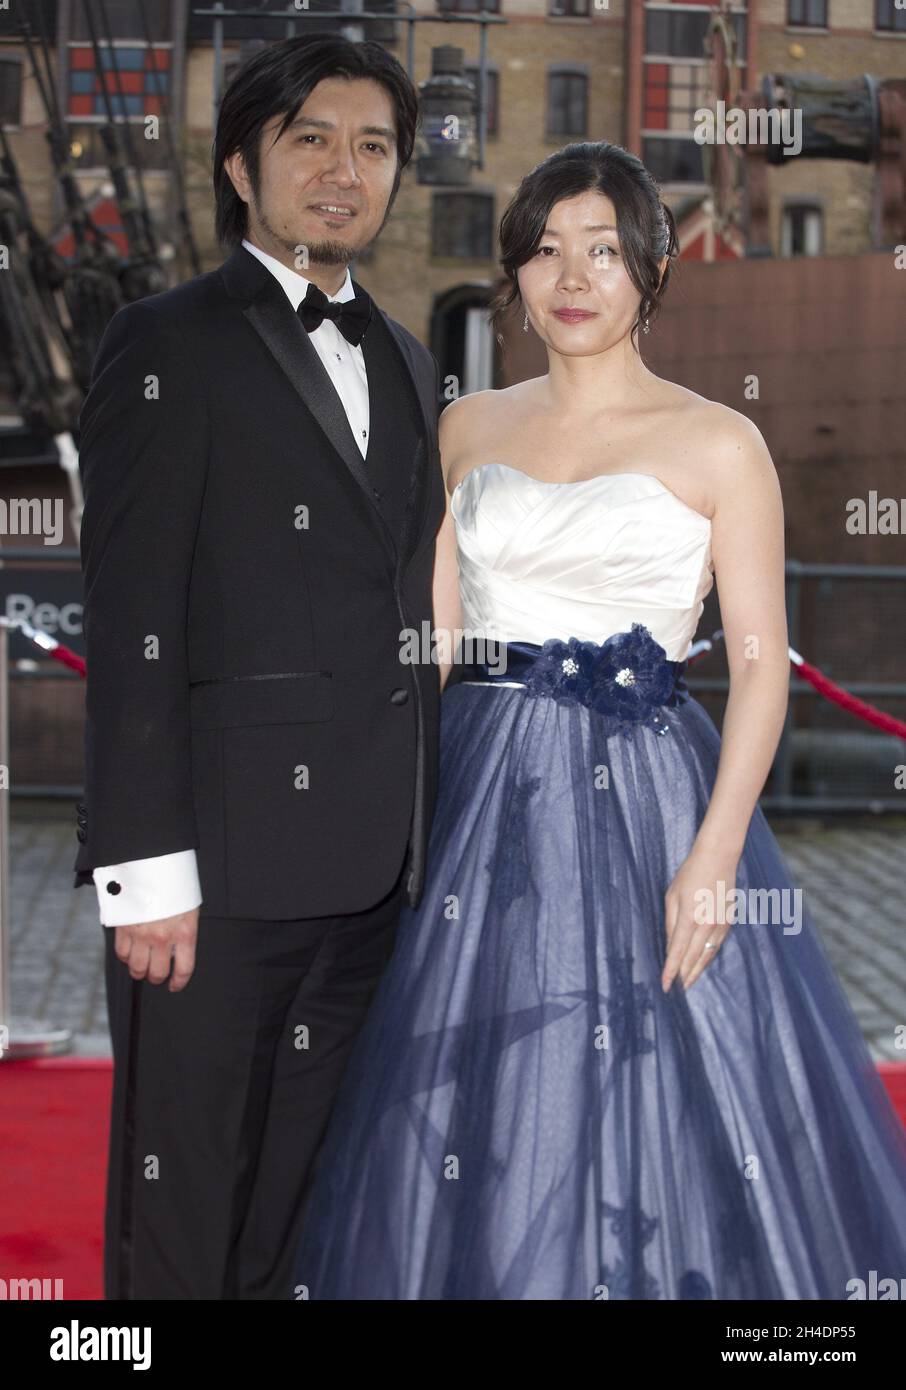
{"points": [[148, 948]]}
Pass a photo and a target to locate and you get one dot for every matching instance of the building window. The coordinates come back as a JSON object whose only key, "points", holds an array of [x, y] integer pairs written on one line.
{"points": [[572, 9], [200, 28], [124, 18], [136, 77], [802, 230], [40, 14], [492, 88], [468, 6], [673, 94], [810, 14], [671, 31], [567, 102], [379, 30], [462, 225], [890, 16], [462, 340], [673, 161], [10, 90], [144, 77], [676, 84]]}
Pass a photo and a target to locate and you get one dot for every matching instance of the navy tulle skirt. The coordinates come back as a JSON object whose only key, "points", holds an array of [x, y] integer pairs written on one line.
{"points": [[526, 1115]]}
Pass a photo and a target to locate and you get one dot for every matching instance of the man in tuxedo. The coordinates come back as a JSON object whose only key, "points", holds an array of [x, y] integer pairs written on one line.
{"points": [[262, 494]]}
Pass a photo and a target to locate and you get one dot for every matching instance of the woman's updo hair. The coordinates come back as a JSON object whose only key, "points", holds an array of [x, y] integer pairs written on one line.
{"points": [[646, 226]]}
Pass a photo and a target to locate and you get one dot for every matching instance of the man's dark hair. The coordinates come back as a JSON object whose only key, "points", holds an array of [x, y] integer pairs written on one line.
{"points": [[277, 80]]}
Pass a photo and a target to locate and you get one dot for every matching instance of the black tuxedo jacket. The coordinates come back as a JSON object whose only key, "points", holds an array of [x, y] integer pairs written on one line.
{"points": [[244, 604]]}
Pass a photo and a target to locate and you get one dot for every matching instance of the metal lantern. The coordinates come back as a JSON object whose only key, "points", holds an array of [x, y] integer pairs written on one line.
{"points": [[447, 144]]}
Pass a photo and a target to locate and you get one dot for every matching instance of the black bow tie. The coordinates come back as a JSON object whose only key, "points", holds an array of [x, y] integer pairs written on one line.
{"points": [[352, 318]]}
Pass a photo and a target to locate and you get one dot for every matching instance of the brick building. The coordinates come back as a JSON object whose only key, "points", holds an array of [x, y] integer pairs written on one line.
{"points": [[629, 71], [825, 337]]}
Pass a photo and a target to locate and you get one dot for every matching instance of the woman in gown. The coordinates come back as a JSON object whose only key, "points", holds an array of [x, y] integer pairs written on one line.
{"points": [[589, 1071]]}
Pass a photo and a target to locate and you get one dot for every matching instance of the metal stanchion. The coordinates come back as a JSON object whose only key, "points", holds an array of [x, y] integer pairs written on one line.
{"points": [[19, 1037]]}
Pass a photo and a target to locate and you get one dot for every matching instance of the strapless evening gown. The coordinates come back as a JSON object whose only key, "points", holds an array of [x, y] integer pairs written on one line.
{"points": [[526, 1114]]}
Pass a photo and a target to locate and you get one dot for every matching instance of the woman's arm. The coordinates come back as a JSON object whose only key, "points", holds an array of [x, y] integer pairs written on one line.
{"points": [[748, 552]]}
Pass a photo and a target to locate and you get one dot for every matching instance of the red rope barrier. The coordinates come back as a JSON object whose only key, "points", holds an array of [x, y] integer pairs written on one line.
{"points": [[69, 658], [836, 694], [851, 703], [47, 644]]}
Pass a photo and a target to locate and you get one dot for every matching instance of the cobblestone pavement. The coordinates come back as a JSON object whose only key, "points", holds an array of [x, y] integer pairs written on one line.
{"points": [[851, 877]]}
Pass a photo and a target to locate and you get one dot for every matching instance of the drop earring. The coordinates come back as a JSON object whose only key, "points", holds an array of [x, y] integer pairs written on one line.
{"points": [[646, 327], [525, 322]]}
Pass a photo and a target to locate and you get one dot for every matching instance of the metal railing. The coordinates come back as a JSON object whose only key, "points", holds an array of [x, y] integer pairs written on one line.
{"points": [[839, 630]]}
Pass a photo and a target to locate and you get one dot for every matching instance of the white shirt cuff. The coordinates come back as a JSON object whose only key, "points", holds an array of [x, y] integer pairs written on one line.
{"points": [[148, 889]]}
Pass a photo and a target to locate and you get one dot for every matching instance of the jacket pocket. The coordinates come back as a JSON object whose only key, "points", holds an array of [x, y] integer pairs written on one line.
{"points": [[286, 697]]}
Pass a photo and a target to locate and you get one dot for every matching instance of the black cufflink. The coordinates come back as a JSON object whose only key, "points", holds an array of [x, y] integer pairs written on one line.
{"points": [[113, 887]]}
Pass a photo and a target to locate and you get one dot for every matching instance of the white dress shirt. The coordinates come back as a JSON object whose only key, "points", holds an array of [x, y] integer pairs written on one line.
{"points": [[165, 884], [344, 363]]}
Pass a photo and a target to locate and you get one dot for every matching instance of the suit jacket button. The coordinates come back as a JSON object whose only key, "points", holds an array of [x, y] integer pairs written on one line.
{"points": [[81, 835], [399, 697], [80, 807], [114, 887]]}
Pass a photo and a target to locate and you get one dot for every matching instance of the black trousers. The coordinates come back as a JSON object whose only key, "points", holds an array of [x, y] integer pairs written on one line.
{"points": [[221, 1097]]}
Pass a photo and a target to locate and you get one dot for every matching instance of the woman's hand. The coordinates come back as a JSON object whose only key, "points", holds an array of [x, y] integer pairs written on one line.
{"points": [[697, 913]]}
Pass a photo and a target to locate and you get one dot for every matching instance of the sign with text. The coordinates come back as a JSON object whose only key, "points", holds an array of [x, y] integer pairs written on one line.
{"points": [[49, 599]]}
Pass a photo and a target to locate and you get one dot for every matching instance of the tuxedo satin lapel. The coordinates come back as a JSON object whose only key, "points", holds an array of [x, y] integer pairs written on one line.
{"points": [[271, 315], [418, 490]]}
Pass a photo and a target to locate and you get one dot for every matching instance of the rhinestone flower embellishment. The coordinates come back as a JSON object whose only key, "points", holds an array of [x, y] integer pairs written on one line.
{"points": [[628, 677]]}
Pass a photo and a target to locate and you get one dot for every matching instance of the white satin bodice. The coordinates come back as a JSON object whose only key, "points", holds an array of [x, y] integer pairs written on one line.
{"points": [[586, 559]]}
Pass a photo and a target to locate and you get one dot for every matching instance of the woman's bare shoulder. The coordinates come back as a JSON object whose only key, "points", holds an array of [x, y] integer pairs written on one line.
{"points": [[727, 445], [466, 411], [467, 420], [462, 412]]}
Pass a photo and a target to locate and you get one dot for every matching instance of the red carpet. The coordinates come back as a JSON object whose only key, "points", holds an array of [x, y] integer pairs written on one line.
{"points": [[53, 1138], [54, 1124], [893, 1074]]}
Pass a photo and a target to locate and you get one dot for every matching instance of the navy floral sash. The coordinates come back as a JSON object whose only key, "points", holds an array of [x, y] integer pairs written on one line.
{"points": [[627, 679]]}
